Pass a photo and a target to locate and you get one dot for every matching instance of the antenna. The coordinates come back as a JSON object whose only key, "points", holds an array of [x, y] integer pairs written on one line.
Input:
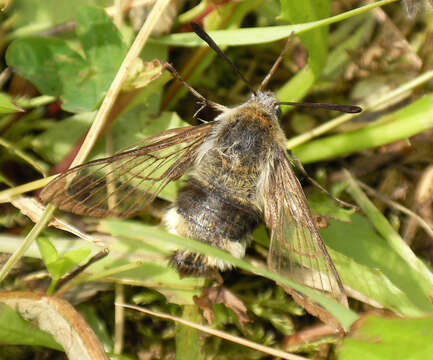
{"points": [[212, 44], [193, 91], [342, 108], [276, 63], [205, 37], [350, 109]]}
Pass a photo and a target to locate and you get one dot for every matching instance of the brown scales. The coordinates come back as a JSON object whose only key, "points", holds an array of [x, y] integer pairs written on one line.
{"points": [[219, 203]]}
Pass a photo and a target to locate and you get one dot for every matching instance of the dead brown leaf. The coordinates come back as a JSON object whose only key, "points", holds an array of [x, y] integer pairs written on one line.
{"points": [[221, 295]]}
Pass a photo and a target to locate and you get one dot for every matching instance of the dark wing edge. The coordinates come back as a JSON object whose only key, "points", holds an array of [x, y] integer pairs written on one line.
{"points": [[297, 250], [125, 183]]}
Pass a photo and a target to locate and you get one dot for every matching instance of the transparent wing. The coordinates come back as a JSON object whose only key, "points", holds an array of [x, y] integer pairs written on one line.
{"points": [[127, 182], [411, 7], [296, 249]]}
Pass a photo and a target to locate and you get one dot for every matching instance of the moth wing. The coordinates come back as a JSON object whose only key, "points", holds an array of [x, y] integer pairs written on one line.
{"points": [[127, 182], [296, 247], [411, 7]]}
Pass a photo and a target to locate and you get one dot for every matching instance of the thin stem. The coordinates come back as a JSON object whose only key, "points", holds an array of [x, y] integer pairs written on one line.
{"points": [[391, 236], [322, 129], [7, 195], [119, 319], [221, 334], [31, 236], [116, 85], [398, 207], [13, 149], [35, 102]]}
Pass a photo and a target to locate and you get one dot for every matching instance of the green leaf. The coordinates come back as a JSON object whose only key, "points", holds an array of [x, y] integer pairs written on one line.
{"points": [[149, 260], [260, 35], [411, 120], [97, 323], [415, 278], [6, 105], [67, 262], [322, 204], [5, 181], [47, 249], [365, 263], [372, 268], [104, 52], [188, 340], [60, 265], [57, 70], [14, 330], [100, 39], [32, 16], [231, 16], [57, 141], [280, 319], [376, 338], [152, 236], [315, 41], [50, 64], [339, 57], [139, 120], [134, 241], [153, 271]]}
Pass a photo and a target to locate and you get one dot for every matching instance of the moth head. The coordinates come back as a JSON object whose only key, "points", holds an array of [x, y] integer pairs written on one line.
{"points": [[268, 102]]}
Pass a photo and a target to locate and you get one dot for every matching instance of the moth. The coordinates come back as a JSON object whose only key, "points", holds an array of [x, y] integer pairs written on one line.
{"points": [[239, 175]]}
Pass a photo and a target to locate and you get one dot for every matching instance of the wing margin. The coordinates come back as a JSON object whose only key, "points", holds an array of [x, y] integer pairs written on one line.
{"points": [[125, 183], [296, 249]]}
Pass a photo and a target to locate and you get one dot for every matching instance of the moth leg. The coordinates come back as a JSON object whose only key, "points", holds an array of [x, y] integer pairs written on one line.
{"points": [[315, 183], [195, 116], [190, 264], [193, 91]]}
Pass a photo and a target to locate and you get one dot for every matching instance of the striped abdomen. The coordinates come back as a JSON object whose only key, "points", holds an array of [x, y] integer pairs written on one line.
{"points": [[218, 203], [209, 216]]}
